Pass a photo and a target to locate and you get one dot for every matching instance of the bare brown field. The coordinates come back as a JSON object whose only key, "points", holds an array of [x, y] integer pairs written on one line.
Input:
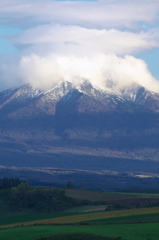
{"points": [[110, 198], [96, 196]]}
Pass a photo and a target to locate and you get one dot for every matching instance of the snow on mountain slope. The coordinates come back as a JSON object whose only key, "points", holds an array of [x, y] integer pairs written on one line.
{"points": [[82, 115], [46, 99]]}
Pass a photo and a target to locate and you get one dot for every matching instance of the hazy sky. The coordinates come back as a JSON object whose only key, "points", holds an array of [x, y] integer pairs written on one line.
{"points": [[47, 41]]}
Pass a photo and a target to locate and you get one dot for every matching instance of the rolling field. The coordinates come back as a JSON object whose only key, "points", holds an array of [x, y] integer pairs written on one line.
{"points": [[130, 224], [100, 215], [87, 217], [20, 218], [141, 231], [130, 219]]}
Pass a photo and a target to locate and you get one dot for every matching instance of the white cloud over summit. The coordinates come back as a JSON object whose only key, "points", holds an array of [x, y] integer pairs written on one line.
{"points": [[71, 40], [51, 69]]}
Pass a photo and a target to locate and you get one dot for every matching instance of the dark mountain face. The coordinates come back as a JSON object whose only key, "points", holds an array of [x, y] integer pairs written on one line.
{"points": [[83, 119]]}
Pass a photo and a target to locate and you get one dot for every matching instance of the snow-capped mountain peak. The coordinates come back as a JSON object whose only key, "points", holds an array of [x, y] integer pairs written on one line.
{"points": [[105, 96]]}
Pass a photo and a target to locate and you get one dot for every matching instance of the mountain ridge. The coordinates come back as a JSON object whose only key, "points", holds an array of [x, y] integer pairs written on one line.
{"points": [[53, 95], [81, 117]]}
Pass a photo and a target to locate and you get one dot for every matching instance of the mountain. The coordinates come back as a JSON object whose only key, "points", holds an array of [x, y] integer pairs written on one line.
{"points": [[70, 121]]}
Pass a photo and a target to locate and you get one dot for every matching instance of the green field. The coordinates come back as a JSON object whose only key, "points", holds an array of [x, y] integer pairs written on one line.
{"points": [[27, 217], [136, 218], [130, 224], [79, 236], [20, 218], [141, 231], [87, 217]]}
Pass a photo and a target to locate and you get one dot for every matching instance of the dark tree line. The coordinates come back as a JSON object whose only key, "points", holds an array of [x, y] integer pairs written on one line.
{"points": [[39, 199], [9, 182], [144, 204]]}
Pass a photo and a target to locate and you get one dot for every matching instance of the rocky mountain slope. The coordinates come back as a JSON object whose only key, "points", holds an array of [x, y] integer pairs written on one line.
{"points": [[83, 119]]}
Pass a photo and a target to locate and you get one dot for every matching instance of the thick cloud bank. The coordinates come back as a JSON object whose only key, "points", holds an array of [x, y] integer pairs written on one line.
{"points": [[49, 70], [74, 41]]}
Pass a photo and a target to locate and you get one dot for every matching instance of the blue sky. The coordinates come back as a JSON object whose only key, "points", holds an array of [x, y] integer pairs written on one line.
{"points": [[5, 45], [93, 29], [151, 57]]}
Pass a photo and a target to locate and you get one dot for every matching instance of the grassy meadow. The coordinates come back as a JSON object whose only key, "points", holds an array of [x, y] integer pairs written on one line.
{"points": [[141, 231]]}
